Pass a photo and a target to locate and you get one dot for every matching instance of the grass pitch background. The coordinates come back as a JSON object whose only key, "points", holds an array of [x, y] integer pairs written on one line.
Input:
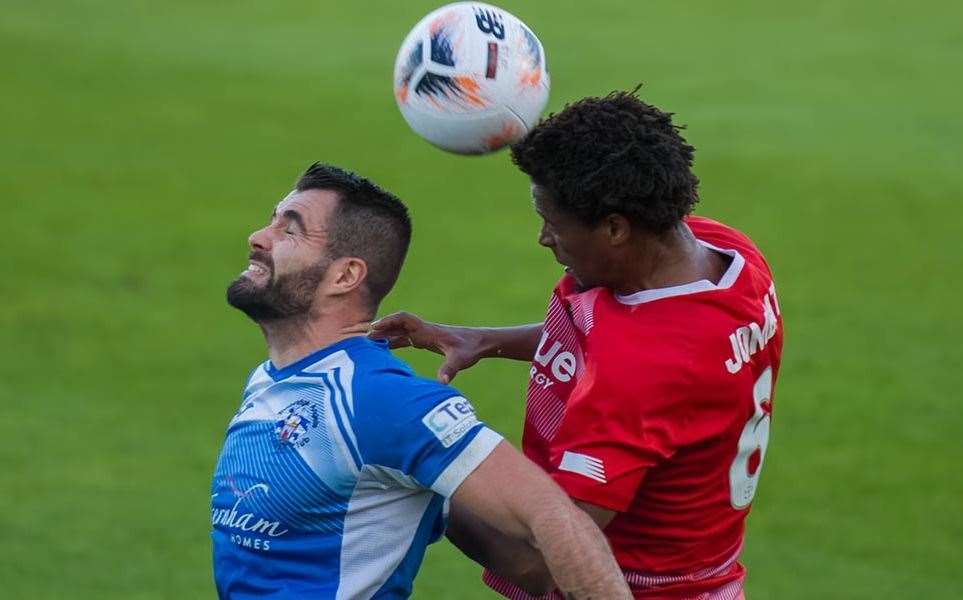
{"points": [[140, 142]]}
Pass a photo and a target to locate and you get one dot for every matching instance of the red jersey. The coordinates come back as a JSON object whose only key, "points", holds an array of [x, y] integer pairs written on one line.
{"points": [[657, 405]]}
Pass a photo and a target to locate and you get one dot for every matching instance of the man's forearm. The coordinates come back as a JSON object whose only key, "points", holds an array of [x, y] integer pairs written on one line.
{"points": [[523, 510], [565, 543], [578, 556], [516, 560], [518, 343]]}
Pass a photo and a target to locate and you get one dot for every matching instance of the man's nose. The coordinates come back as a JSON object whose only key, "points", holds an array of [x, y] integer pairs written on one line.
{"points": [[544, 239], [260, 239]]}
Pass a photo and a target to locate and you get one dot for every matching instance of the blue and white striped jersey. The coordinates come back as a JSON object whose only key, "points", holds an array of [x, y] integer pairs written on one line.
{"points": [[334, 476]]}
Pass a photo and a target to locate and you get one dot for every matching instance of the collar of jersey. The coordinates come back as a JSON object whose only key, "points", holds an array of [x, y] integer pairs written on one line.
{"points": [[694, 287], [300, 364]]}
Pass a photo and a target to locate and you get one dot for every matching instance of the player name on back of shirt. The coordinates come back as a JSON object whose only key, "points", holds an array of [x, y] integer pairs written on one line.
{"points": [[751, 338]]}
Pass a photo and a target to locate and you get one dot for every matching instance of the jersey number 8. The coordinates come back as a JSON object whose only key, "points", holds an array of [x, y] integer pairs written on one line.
{"points": [[745, 469]]}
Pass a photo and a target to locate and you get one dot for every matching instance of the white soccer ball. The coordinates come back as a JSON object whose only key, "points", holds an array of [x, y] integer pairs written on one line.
{"points": [[470, 78]]}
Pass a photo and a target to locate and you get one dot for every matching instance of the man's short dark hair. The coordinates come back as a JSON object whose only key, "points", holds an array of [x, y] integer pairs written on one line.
{"points": [[614, 154], [368, 223]]}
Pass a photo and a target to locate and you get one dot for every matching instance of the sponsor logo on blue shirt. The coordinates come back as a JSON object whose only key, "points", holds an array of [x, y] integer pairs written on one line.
{"points": [[451, 420]]}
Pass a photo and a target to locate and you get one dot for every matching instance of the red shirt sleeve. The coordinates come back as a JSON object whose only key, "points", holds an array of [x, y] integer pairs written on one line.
{"points": [[617, 426]]}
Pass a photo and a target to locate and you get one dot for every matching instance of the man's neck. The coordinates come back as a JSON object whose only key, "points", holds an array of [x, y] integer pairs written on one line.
{"points": [[290, 340], [674, 258]]}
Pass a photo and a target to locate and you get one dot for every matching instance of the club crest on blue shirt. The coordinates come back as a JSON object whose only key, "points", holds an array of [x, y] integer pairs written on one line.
{"points": [[295, 421]]}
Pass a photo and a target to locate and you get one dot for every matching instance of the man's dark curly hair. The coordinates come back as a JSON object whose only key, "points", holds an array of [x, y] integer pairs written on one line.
{"points": [[615, 154]]}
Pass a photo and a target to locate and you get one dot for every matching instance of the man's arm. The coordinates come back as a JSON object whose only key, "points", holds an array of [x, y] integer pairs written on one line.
{"points": [[512, 559], [462, 347], [511, 517]]}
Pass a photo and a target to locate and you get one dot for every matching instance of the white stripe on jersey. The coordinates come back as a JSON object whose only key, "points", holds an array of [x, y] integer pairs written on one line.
{"points": [[583, 464], [342, 361], [379, 528]]}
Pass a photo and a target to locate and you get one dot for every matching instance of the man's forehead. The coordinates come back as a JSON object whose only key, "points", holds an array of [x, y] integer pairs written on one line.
{"points": [[541, 198], [313, 205]]}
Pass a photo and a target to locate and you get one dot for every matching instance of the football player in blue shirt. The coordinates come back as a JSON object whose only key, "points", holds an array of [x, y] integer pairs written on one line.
{"points": [[339, 464]]}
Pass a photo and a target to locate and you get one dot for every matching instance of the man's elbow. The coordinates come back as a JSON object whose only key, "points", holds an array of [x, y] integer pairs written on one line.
{"points": [[534, 579], [537, 588]]}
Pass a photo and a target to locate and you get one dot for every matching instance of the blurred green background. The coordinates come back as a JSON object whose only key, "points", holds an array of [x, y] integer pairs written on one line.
{"points": [[140, 142]]}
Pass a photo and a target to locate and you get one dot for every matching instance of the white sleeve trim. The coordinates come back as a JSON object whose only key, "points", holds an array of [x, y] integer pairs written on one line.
{"points": [[473, 455]]}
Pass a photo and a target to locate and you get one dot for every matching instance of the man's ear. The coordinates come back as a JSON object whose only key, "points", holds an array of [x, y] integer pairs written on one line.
{"points": [[345, 274], [619, 229]]}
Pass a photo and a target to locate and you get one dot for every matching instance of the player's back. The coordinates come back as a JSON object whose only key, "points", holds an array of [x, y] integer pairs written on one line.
{"points": [[334, 473]]}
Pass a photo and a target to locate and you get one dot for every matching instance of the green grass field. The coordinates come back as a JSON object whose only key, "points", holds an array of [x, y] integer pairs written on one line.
{"points": [[140, 143]]}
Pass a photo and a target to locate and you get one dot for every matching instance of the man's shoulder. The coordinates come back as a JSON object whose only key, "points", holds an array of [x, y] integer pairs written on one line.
{"points": [[726, 237], [704, 227], [359, 369], [656, 355], [257, 380], [382, 382], [411, 423], [643, 341]]}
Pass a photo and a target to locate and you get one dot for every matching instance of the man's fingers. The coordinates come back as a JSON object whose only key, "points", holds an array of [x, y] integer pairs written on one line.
{"points": [[383, 334], [399, 321], [390, 327], [448, 370], [398, 341], [358, 328]]}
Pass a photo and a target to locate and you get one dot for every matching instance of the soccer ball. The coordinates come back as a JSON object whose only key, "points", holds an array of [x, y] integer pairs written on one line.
{"points": [[470, 78]]}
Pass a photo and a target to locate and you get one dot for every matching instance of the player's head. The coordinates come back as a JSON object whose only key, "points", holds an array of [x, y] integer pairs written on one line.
{"points": [[606, 171], [336, 237]]}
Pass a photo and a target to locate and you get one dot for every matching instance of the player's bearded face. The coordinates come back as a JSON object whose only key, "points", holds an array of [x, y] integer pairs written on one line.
{"points": [[265, 296]]}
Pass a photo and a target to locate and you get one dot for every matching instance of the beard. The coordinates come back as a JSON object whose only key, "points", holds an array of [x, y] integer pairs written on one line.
{"points": [[290, 295]]}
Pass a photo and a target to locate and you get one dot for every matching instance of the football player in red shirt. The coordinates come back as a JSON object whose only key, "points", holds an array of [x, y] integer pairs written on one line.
{"points": [[652, 374]]}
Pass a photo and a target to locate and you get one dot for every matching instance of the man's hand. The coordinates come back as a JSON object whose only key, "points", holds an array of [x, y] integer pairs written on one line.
{"points": [[461, 346]]}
